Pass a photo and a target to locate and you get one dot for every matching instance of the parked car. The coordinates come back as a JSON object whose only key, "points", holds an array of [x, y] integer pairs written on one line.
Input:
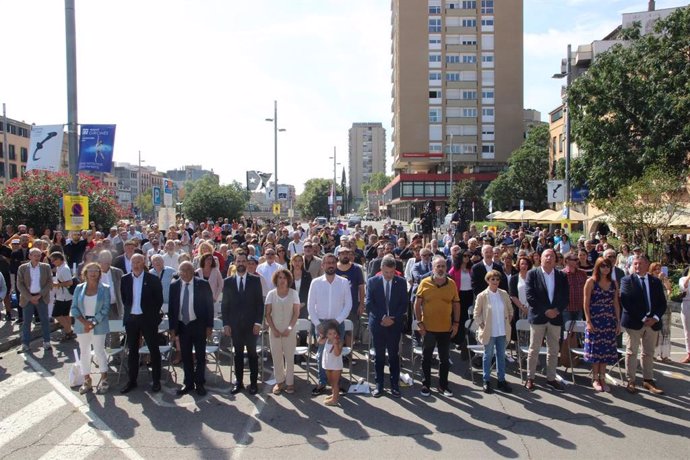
{"points": [[321, 221], [369, 216], [354, 220]]}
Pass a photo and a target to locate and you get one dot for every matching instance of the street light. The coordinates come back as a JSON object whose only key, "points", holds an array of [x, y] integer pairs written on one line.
{"points": [[567, 74], [139, 191], [274, 120], [335, 182], [450, 156]]}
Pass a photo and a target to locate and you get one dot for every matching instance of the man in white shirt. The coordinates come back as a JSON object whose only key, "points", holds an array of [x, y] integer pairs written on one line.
{"points": [[296, 246], [268, 268], [170, 256], [329, 298]]}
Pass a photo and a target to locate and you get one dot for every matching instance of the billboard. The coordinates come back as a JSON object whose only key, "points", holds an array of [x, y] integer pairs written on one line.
{"points": [[96, 143]]}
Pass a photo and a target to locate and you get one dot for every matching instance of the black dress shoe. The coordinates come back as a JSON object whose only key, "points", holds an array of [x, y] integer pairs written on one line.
{"points": [[377, 393], [156, 387], [200, 389], [129, 387], [487, 388], [184, 390], [504, 387], [395, 393], [236, 388], [253, 389]]}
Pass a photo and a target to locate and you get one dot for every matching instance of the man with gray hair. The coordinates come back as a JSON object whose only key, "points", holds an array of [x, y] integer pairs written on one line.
{"points": [[112, 277], [34, 282]]}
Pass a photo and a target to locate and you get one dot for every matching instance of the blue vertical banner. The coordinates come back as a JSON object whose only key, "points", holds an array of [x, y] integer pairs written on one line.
{"points": [[96, 144]]}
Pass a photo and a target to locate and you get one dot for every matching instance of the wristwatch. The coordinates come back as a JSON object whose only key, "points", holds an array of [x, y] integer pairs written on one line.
{"points": [[94, 322], [289, 328]]}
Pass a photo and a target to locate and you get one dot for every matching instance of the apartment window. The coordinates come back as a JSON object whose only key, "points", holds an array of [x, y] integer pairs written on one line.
{"points": [[488, 130], [488, 77], [12, 155], [469, 59], [435, 57], [561, 143], [2, 170], [469, 95], [435, 25], [487, 41], [487, 60], [453, 94], [468, 23], [469, 112], [23, 132], [487, 6], [453, 5], [435, 43], [453, 76], [434, 9], [23, 154], [553, 145], [435, 76], [468, 40], [434, 115], [435, 95], [488, 151], [469, 5], [468, 148], [2, 148], [487, 97], [12, 129], [452, 59], [488, 112], [435, 148], [13, 171], [23, 170], [468, 75], [435, 133], [461, 130]]}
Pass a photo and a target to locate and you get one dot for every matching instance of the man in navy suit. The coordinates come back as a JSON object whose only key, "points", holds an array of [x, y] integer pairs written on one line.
{"points": [[643, 303], [386, 305], [243, 313], [190, 310], [548, 295], [484, 266]]}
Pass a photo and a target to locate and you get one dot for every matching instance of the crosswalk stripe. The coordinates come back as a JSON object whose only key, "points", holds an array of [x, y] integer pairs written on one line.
{"points": [[16, 382], [79, 445], [28, 417]]}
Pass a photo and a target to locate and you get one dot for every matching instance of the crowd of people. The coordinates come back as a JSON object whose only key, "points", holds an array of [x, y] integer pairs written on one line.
{"points": [[265, 276]]}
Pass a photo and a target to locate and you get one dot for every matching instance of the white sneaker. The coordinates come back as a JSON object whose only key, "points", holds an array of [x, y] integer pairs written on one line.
{"points": [[24, 349], [47, 346]]}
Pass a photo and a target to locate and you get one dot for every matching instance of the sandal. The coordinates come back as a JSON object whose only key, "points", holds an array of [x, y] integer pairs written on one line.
{"points": [[277, 388], [103, 387], [290, 389], [331, 402], [85, 387]]}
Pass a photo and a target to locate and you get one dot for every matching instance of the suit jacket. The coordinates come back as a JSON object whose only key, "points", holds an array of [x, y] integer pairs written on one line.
{"points": [[24, 283], [242, 310], [116, 274], [375, 266], [633, 305], [376, 301], [314, 268], [151, 297], [483, 315], [102, 309], [304, 287], [538, 296], [620, 274], [203, 303], [119, 262], [479, 272], [419, 272]]}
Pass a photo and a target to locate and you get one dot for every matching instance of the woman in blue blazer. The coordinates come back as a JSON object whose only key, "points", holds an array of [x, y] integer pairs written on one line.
{"points": [[90, 308]]}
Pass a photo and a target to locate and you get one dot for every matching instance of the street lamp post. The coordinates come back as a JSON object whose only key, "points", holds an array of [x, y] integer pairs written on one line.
{"points": [[276, 130], [72, 124], [139, 190], [566, 109], [335, 183], [450, 155], [4, 145]]}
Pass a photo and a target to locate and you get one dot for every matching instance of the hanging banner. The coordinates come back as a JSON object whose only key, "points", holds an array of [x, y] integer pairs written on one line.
{"points": [[168, 193], [96, 143], [45, 149], [76, 212]]}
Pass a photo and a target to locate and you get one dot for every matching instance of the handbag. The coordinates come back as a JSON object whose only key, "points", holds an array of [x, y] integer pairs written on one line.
{"points": [[76, 376]]}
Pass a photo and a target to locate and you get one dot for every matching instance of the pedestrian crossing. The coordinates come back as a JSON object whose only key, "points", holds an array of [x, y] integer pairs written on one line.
{"points": [[37, 420]]}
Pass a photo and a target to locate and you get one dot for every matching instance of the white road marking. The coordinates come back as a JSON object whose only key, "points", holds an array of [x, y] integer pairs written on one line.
{"points": [[16, 382], [79, 445], [98, 423], [28, 417], [251, 421]]}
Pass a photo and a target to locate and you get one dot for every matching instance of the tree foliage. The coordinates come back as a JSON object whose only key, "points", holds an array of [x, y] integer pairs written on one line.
{"points": [[144, 203], [209, 199], [34, 200], [631, 110], [313, 202], [377, 181], [526, 175], [470, 192], [645, 206]]}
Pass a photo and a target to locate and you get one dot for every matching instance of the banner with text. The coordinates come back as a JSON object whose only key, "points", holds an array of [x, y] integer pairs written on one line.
{"points": [[96, 145]]}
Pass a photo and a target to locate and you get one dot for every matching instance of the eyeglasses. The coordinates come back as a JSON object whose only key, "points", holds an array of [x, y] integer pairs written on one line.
{"points": [[465, 256]]}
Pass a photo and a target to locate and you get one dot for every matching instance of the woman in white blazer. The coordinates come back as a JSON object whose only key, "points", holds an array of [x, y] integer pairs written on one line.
{"points": [[492, 312]]}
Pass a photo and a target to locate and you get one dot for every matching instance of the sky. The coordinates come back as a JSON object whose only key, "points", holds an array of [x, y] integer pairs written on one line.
{"points": [[192, 81]]}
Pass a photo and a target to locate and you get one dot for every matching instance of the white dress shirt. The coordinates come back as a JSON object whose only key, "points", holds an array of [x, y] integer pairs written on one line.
{"points": [[267, 270], [171, 260], [550, 280], [192, 315], [329, 300], [137, 286], [35, 273], [128, 265]]}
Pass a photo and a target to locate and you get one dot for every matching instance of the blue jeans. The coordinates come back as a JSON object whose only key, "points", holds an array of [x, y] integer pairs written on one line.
{"points": [[319, 353], [497, 345], [28, 313]]}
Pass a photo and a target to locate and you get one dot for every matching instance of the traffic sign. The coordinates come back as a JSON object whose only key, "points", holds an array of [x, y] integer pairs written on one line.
{"points": [[156, 192], [555, 191], [276, 209]]}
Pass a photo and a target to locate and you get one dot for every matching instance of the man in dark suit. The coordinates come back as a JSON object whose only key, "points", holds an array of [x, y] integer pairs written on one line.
{"points": [[548, 295], [643, 303], [243, 312], [386, 304], [484, 266], [142, 297], [124, 261], [191, 317]]}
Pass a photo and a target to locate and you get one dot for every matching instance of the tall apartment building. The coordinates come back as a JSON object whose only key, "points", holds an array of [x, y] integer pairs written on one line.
{"points": [[367, 156], [457, 94]]}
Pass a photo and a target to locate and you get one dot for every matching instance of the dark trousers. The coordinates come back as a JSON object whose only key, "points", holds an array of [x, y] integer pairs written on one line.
{"points": [[241, 338], [387, 339], [466, 300], [193, 340], [135, 327], [442, 341]]}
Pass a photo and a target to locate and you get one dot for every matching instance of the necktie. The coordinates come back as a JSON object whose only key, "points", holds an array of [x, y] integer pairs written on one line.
{"points": [[241, 284], [185, 304], [388, 296], [645, 295]]}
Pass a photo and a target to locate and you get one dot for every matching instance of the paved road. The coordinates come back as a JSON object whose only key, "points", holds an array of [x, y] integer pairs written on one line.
{"points": [[40, 417]]}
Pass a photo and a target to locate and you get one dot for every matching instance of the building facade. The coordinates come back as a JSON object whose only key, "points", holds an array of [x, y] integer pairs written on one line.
{"points": [[367, 154], [18, 134], [457, 94]]}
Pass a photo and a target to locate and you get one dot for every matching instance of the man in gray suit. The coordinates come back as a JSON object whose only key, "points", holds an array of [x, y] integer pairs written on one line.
{"points": [[311, 263], [34, 282], [112, 276]]}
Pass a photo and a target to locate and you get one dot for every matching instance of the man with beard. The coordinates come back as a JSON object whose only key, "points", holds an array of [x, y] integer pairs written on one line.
{"points": [[353, 273]]}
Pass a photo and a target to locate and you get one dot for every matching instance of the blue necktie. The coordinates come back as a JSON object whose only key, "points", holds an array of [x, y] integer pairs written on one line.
{"points": [[185, 304], [647, 304]]}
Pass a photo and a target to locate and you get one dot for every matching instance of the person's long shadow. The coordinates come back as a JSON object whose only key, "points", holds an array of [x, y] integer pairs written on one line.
{"points": [[113, 415]]}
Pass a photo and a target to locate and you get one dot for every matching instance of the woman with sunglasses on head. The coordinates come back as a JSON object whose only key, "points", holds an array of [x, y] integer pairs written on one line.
{"points": [[602, 311], [461, 272]]}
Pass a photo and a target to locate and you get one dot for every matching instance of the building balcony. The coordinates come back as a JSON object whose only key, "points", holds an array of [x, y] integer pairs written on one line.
{"points": [[461, 30], [462, 85], [462, 66], [461, 103], [462, 120]]}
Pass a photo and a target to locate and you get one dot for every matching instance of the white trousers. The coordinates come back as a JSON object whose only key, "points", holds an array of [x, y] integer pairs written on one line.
{"points": [[86, 341]]}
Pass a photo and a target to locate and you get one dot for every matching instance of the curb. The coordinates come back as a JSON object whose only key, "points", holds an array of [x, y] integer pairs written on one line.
{"points": [[15, 339]]}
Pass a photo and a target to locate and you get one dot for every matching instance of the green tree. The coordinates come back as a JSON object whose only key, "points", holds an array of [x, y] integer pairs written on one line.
{"points": [[631, 110], [526, 175], [144, 202], [313, 202], [210, 199], [470, 192], [377, 181]]}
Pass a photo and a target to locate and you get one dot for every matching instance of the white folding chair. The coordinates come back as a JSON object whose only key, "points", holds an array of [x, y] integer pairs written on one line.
{"points": [[347, 351], [213, 346], [304, 325], [474, 350], [416, 350], [577, 328], [523, 325], [165, 350], [114, 344]]}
